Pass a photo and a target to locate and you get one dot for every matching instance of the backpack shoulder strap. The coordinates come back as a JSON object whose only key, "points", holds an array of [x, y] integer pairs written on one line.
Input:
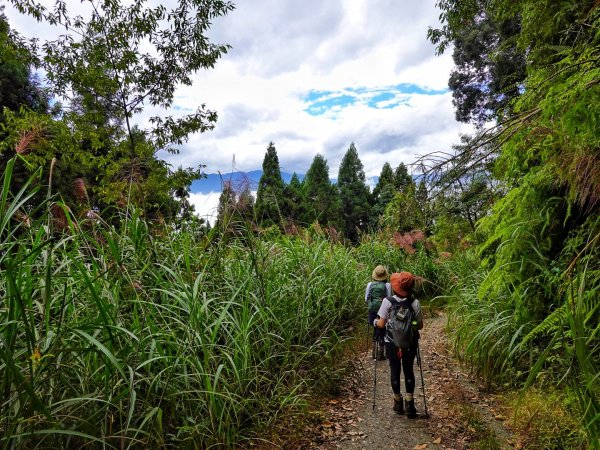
{"points": [[393, 300], [408, 302]]}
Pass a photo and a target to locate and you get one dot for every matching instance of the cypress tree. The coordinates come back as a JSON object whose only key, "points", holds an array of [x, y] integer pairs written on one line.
{"points": [[384, 191], [320, 196], [294, 199], [354, 194], [402, 179], [269, 197]]}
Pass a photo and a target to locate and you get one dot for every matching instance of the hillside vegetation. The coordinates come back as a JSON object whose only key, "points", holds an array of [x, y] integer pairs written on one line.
{"points": [[127, 321]]}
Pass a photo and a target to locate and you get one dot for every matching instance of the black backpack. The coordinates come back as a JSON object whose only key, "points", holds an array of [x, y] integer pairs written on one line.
{"points": [[401, 327], [377, 292]]}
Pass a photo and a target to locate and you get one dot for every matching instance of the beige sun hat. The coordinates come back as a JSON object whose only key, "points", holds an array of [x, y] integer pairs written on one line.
{"points": [[380, 273]]}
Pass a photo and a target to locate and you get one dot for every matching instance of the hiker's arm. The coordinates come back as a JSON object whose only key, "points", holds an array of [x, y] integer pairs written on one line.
{"points": [[367, 293], [419, 317], [382, 314], [380, 322]]}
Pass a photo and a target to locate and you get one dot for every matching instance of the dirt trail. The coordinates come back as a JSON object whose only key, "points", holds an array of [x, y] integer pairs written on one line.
{"points": [[462, 416]]}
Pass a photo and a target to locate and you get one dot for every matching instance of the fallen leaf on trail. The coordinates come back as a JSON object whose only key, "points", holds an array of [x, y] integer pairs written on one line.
{"points": [[327, 424], [499, 417], [333, 402], [437, 441], [420, 447]]}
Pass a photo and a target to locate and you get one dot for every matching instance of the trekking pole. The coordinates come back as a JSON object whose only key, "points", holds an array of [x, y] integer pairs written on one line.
{"points": [[375, 373], [420, 362]]}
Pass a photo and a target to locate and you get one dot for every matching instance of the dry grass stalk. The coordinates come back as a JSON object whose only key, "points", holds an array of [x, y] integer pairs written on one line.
{"points": [[27, 139], [406, 241], [79, 190], [23, 218], [59, 218]]}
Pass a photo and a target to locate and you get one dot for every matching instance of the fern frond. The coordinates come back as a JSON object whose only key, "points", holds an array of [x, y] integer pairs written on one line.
{"points": [[550, 325]]}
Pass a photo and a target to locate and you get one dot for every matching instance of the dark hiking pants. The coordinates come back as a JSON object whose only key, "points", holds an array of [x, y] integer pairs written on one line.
{"points": [[397, 365]]}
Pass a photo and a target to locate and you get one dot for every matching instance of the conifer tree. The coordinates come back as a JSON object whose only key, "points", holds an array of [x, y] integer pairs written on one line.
{"points": [[294, 199], [402, 179], [269, 197], [355, 197], [321, 202], [384, 191]]}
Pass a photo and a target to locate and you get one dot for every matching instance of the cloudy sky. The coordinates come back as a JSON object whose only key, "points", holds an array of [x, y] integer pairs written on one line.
{"points": [[313, 76]]}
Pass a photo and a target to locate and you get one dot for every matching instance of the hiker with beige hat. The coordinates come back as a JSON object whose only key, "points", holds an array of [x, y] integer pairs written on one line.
{"points": [[376, 291]]}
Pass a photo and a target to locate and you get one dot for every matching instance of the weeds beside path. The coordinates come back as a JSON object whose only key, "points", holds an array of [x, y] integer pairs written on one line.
{"points": [[461, 415]]}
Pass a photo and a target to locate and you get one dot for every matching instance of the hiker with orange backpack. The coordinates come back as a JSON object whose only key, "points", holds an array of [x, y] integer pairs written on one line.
{"points": [[376, 291], [401, 317]]}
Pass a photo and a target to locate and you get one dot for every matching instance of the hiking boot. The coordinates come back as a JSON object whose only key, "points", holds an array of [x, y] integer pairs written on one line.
{"points": [[398, 406], [380, 355], [411, 411]]}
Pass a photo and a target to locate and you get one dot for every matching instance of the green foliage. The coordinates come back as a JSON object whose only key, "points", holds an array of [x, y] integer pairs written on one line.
{"points": [[355, 198], [405, 212], [294, 197], [158, 337], [131, 55], [269, 197], [383, 192], [402, 179], [108, 65], [548, 420], [533, 319], [321, 199], [489, 68], [18, 86]]}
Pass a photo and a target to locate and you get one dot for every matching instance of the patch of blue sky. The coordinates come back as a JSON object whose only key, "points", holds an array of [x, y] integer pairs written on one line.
{"points": [[181, 108], [382, 97], [330, 102], [382, 100], [410, 88]]}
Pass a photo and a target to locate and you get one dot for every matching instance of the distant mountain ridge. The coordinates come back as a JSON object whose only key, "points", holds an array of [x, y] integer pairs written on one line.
{"points": [[214, 181]]}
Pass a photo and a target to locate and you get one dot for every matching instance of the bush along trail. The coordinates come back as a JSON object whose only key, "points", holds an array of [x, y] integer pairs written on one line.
{"points": [[461, 413]]}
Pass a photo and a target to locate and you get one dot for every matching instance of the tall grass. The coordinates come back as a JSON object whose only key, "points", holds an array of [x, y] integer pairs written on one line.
{"points": [[504, 342], [440, 275], [124, 337]]}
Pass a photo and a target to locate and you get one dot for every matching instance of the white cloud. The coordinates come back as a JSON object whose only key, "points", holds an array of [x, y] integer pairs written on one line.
{"points": [[284, 50], [206, 205]]}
